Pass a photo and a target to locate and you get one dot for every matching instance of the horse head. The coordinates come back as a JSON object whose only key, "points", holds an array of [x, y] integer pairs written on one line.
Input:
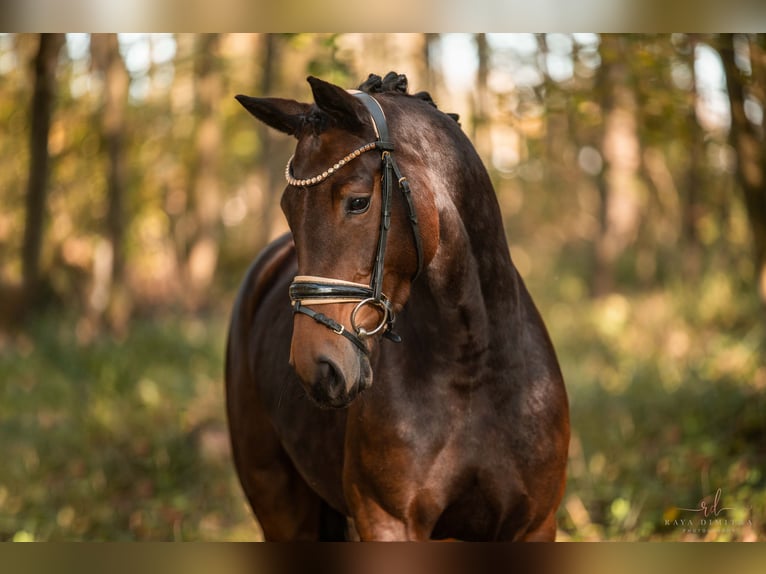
{"points": [[359, 242]]}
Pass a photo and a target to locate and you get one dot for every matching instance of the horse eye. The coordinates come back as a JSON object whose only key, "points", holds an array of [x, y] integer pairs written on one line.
{"points": [[358, 205]]}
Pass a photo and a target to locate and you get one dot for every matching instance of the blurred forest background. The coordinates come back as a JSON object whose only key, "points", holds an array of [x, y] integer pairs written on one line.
{"points": [[134, 192]]}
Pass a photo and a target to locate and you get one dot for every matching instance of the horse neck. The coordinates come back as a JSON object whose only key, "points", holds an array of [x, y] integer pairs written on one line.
{"points": [[471, 284], [469, 293]]}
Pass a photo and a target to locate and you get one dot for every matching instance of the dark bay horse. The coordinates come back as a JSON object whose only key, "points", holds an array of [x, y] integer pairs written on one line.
{"points": [[450, 421]]}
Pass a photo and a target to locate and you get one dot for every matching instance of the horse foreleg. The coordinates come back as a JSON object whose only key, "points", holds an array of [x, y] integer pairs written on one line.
{"points": [[286, 508], [373, 523], [546, 532]]}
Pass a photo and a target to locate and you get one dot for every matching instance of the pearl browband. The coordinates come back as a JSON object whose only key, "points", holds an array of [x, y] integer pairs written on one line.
{"points": [[379, 143], [324, 175]]}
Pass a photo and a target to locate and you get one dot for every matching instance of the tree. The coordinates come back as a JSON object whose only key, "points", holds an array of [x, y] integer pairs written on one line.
{"points": [[270, 172], [107, 61], [41, 110], [481, 108], [747, 92], [618, 210], [205, 196]]}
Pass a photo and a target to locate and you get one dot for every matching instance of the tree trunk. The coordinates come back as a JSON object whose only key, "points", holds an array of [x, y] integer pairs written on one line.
{"points": [[271, 172], [619, 205], [109, 267], [43, 100], [691, 208], [430, 47], [747, 138], [481, 109], [205, 197]]}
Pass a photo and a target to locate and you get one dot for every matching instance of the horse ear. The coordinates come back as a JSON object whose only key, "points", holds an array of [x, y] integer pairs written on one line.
{"points": [[281, 114], [346, 110]]}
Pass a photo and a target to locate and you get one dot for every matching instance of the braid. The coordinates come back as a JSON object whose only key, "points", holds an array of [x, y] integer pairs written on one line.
{"points": [[395, 83]]}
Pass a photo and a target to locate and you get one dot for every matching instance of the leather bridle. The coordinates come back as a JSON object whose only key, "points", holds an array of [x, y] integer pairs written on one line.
{"points": [[309, 290]]}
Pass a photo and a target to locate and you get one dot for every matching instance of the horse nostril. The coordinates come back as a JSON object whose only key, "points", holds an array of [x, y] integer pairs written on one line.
{"points": [[329, 380], [325, 372]]}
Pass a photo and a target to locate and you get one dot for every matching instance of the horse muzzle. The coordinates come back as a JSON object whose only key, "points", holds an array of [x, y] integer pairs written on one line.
{"points": [[333, 372], [330, 388]]}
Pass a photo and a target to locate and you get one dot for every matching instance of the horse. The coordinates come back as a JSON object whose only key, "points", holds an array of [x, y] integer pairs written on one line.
{"points": [[388, 375]]}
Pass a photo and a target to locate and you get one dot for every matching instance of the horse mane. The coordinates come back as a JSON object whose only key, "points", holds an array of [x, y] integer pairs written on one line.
{"points": [[317, 122], [397, 84]]}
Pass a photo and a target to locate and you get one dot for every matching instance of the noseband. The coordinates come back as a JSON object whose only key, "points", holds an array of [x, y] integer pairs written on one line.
{"points": [[307, 290]]}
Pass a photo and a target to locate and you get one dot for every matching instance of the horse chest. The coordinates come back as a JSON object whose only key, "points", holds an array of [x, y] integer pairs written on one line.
{"points": [[431, 470], [427, 435]]}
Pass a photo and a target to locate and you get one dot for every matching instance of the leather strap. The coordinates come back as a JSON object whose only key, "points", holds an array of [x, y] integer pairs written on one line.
{"points": [[304, 289], [379, 123], [412, 215], [330, 323]]}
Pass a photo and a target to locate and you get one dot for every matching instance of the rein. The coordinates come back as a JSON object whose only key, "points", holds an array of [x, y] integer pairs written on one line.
{"points": [[313, 290]]}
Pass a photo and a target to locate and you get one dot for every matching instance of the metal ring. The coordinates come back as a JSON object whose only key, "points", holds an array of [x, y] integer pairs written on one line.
{"points": [[361, 331]]}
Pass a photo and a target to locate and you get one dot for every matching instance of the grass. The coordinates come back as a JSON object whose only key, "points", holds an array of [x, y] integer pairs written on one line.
{"points": [[117, 439], [124, 438], [668, 406]]}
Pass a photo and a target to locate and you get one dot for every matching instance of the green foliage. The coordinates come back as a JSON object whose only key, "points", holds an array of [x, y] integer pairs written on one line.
{"points": [[109, 438], [668, 406], [331, 63]]}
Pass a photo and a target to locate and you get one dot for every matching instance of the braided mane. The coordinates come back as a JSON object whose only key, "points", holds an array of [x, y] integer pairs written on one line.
{"points": [[316, 121], [396, 83]]}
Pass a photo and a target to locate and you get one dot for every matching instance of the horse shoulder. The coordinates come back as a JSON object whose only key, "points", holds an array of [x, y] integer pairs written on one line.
{"points": [[260, 280]]}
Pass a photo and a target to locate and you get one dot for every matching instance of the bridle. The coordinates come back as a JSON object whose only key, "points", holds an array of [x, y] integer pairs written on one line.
{"points": [[310, 290]]}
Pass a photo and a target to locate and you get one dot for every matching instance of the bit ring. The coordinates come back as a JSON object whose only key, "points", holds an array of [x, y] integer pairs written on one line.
{"points": [[361, 331]]}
